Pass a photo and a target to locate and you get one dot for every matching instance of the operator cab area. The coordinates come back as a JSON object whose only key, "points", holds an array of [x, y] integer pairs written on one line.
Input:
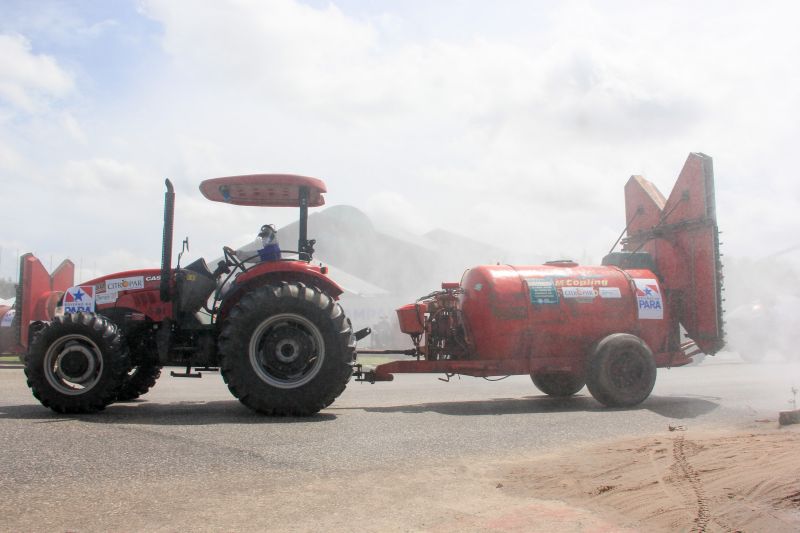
{"points": [[197, 281]]}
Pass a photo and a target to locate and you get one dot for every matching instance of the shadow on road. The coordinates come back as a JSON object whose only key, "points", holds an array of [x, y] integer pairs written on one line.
{"points": [[172, 414], [677, 407], [198, 413]]}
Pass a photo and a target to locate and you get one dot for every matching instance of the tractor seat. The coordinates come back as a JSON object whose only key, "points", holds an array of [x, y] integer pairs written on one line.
{"points": [[194, 290], [200, 267]]}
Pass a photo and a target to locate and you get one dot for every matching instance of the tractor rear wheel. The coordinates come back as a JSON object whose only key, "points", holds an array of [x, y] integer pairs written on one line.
{"points": [[622, 371], [558, 384], [77, 363], [287, 350]]}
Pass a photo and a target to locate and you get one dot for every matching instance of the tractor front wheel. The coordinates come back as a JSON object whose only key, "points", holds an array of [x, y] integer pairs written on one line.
{"points": [[77, 363], [138, 381], [622, 371], [287, 350], [558, 384]]}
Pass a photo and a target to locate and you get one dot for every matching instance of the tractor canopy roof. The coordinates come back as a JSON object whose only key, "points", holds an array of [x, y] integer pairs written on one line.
{"points": [[267, 190]]}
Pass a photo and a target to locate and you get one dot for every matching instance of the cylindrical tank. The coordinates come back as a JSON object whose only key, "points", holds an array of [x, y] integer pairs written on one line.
{"points": [[558, 309]]}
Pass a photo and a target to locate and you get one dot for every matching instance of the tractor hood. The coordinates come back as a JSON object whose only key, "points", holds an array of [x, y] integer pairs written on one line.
{"points": [[127, 281]]}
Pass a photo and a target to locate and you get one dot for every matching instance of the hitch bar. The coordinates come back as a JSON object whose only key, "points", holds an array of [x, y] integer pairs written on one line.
{"points": [[369, 376], [410, 351]]}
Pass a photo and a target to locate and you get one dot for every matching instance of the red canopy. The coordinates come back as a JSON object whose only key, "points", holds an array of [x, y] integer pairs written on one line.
{"points": [[267, 190]]}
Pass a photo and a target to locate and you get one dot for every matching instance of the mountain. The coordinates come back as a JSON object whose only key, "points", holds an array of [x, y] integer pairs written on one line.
{"points": [[402, 265]]}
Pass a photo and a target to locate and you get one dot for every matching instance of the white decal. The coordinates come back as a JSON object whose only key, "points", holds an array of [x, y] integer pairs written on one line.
{"points": [[610, 292], [648, 295], [578, 292], [103, 298], [78, 299], [7, 319], [153, 278], [125, 284]]}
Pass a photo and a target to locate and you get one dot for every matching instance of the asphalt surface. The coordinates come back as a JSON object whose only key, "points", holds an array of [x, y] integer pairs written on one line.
{"points": [[188, 445]]}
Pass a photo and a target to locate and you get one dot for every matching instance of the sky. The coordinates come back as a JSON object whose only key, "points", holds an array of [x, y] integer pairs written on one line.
{"points": [[511, 122]]}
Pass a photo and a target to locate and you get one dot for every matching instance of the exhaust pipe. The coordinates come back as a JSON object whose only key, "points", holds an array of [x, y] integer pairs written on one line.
{"points": [[166, 242]]}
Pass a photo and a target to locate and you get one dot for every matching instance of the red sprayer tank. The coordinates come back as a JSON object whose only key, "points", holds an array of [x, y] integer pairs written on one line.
{"points": [[557, 309], [567, 325]]}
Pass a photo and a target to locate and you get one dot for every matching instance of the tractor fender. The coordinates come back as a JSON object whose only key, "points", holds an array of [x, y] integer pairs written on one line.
{"points": [[275, 272]]}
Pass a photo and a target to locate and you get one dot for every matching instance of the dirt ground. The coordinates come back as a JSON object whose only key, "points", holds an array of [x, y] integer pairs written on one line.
{"points": [[679, 481]]}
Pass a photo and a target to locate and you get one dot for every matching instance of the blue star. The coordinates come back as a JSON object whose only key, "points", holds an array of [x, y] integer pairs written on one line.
{"points": [[78, 296], [648, 291]]}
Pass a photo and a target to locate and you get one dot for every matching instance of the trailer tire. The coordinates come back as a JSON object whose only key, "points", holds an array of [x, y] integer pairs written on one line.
{"points": [[622, 371], [287, 350], [558, 384], [138, 381], [77, 363]]}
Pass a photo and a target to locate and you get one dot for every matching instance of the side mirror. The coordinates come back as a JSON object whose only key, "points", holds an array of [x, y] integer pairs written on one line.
{"points": [[184, 248]]}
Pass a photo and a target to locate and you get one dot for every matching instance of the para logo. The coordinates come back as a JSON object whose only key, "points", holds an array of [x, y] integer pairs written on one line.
{"points": [[648, 296], [78, 299]]}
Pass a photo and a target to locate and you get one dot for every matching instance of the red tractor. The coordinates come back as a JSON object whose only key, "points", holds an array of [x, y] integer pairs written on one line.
{"points": [[273, 328], [608, 327], [284, 346]]}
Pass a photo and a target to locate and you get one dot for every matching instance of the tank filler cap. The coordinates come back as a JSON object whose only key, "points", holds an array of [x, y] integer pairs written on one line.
{"points": [[562, 263]]}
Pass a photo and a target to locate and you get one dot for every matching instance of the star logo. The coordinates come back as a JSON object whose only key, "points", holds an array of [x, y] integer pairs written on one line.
{"points": [[78, 295]]}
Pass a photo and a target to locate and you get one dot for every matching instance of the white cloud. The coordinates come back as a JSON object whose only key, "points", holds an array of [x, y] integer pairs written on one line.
{"points": [[27, 79], [393, 212], [540, 125], [99, 175], [522, 129], [10, 160], [72, 128]]}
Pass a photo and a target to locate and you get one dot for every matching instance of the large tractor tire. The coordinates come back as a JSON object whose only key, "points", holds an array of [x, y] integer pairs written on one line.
{"points": [[77, 363], [287, 350], [622, 371], [558, 384], [138, 381]]}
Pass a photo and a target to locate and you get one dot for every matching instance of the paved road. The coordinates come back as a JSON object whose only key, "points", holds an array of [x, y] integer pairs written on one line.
{"points": [[190, 456]]}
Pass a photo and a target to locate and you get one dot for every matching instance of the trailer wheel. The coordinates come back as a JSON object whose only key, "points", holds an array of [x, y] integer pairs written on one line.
{"points": [[77, 363], [287, 350], [558, 384], [138, 381], [622, 371]]}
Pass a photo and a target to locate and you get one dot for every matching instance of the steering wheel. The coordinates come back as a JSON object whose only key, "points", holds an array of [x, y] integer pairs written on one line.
{"points": [[230, 257]]}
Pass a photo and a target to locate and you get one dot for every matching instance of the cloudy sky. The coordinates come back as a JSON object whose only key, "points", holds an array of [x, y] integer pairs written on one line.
{"points": [[516, 122]]}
